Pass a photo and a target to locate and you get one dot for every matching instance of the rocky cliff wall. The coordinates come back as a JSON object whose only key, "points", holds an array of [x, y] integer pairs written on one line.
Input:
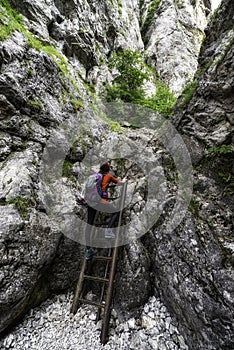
{"points": [[173, 40], [168, 32], [43, 87], [205, 118]]}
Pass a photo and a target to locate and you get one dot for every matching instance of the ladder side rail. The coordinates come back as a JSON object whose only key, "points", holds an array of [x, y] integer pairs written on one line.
{"points": [[80, 283], [104, 286], [121, 207], [78, 288], [107, 309]]}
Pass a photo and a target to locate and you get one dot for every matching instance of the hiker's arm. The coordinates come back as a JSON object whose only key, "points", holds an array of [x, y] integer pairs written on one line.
{"points": [[114, 179], [117, 181]]}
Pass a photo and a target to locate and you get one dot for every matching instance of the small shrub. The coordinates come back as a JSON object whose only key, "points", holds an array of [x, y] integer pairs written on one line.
{"points": [[188, 92], [67, 168], [22, 204], [163, 101], [217, 151], [35, 103], [114, 125], [128, 86], [77, 104], [194, 207]]}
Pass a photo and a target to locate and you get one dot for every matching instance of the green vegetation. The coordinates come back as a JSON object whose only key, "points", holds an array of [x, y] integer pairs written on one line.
{"points": [[120, 11], [22, 204], [214, 14], [194, 206], [188, 92], [35, 103], [67, 168], [225, 177], [10, 20], [35, 162], [150, 15], [50, 50], [170, 171], [128, 85], [229, 189], [191, 86], [114, 126], [74, 83], [217, 151], [224, 53], [4, 163], [77, 104], [163, 101], [203, 69], [30, 72]]}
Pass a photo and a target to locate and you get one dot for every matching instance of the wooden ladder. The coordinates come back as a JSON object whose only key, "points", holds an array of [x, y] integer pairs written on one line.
{"points": [[107, 281]]}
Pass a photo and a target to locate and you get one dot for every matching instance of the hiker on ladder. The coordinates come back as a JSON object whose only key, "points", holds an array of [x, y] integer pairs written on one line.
{"points": [[97, 201]]}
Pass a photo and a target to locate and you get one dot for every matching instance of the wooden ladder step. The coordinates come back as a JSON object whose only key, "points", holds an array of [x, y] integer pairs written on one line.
{"points": [[90, 302], [97, 279], [96, 257]]}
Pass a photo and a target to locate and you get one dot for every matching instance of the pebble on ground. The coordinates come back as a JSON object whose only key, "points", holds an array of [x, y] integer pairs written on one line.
{"points": [[51, 326]]}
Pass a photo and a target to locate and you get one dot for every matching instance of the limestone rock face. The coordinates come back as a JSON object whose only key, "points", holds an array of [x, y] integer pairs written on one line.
{"points": [[35, 98], [206, 122], [168, 34], [209, 113], [174, 38], [47, 86], [87, 32]]}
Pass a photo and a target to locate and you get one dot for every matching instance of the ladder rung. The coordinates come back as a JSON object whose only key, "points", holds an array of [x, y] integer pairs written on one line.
{"points": [[96, 257], [102, 224], [90, 302], [97, 279]]}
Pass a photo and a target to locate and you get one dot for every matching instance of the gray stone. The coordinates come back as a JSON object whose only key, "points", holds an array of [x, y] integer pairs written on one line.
{"points": [[191, 267], [174, 23]]}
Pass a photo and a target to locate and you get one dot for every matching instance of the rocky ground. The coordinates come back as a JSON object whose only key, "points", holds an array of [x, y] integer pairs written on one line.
{"points": [[52, 326]]}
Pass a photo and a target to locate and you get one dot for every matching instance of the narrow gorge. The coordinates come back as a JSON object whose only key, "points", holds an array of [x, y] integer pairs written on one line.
{"points": [[148, 84]]}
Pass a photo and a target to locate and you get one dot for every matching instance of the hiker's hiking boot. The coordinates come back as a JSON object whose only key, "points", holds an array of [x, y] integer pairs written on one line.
{"points": [[109, 233], [90, 253]]}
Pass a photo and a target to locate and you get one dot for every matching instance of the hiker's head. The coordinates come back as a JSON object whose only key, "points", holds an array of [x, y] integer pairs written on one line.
{"points": [[105, 168]]}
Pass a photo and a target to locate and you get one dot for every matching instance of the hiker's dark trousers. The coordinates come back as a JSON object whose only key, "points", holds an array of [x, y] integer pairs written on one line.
{"points": [[101, 207]]}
